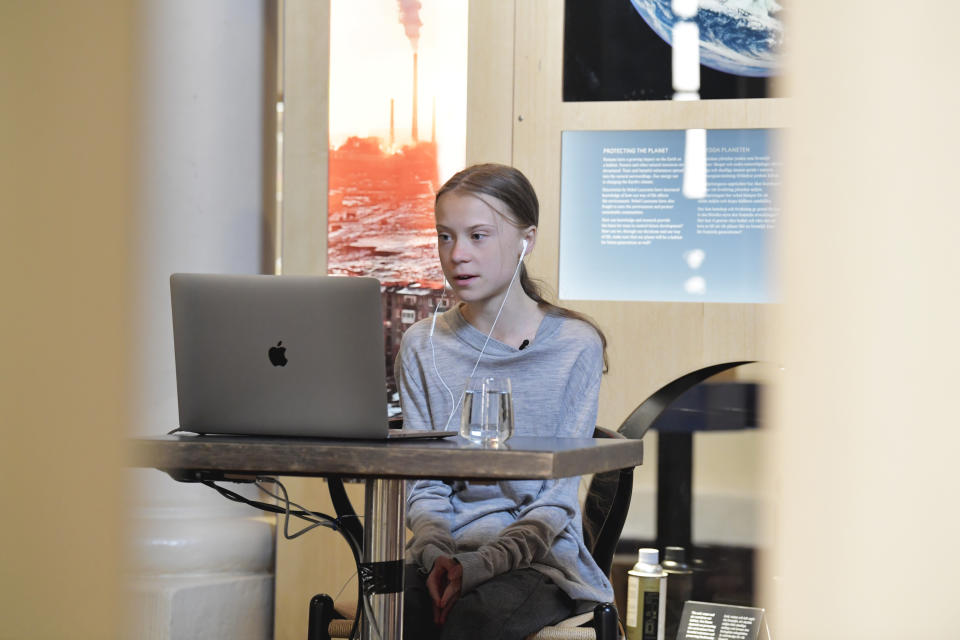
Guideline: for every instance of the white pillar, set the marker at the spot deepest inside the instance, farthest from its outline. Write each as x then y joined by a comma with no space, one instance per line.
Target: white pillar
202,566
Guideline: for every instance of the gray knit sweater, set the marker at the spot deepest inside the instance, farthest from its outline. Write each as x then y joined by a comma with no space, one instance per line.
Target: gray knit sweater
492,528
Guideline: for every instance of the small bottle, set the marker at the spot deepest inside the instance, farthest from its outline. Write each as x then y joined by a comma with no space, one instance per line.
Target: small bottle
679,586
646,597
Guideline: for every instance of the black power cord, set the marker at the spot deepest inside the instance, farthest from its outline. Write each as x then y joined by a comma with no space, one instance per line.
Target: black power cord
346,524
351,529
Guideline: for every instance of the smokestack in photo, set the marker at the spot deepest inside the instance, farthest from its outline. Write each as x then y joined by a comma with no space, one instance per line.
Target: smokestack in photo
392,137
410,19
413,129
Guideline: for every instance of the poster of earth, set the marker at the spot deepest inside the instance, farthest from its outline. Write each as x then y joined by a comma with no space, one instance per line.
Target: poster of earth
621,49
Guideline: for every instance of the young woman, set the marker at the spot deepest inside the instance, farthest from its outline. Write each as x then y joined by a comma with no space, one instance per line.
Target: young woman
497,560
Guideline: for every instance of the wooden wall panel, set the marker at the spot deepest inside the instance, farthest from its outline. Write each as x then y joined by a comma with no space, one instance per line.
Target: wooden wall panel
490,82
651,343
306,68
709,114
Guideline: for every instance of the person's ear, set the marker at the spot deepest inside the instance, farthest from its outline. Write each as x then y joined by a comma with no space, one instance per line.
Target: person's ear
528,241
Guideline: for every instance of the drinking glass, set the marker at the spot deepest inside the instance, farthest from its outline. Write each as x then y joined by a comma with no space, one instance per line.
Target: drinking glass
487,417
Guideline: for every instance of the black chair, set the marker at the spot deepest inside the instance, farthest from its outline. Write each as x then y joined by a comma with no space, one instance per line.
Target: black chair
604,510
669,411
604,513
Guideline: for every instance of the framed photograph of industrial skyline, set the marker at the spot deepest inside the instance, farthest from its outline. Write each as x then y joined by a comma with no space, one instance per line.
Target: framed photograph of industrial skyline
397,132
621,49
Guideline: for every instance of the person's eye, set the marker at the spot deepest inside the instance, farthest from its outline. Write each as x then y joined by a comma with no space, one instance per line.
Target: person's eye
443,237
477,235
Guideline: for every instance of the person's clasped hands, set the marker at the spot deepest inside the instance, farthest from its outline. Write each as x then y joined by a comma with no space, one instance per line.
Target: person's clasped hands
443,583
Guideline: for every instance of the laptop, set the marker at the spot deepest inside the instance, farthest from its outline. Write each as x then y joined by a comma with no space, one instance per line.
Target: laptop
281,356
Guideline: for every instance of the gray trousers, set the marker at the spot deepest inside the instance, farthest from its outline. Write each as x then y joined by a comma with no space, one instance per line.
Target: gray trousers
510,606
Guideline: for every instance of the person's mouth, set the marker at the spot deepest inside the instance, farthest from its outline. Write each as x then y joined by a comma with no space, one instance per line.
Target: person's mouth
464,279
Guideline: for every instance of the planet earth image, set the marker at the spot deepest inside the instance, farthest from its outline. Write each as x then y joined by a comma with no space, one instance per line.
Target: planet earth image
741,37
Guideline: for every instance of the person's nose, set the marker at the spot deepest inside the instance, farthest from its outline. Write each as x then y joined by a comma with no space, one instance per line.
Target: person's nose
459,253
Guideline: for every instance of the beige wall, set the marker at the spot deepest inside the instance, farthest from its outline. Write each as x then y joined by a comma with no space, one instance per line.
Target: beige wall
65,183
863,470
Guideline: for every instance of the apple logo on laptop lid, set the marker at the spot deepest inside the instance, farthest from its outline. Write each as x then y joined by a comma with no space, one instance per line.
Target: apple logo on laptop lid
278,355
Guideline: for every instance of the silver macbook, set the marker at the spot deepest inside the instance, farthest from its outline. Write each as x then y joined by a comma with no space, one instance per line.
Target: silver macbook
281,356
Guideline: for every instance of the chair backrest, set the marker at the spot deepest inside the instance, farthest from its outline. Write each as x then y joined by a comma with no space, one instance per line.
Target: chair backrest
605,509
643,417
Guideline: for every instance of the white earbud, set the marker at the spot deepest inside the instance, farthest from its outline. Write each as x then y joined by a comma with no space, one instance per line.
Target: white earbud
436,312
523,250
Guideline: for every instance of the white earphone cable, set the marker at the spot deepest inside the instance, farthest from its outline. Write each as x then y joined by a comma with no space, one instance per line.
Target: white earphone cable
433,352
484,348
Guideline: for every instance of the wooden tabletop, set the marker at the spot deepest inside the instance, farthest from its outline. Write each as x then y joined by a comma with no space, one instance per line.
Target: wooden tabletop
451,458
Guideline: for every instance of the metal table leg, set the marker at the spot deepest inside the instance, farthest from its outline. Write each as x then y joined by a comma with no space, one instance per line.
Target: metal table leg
382,568
675,490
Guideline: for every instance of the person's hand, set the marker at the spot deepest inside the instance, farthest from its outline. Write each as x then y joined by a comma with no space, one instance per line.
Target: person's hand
443,583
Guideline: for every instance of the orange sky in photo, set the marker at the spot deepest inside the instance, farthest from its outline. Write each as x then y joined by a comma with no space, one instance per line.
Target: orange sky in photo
372,62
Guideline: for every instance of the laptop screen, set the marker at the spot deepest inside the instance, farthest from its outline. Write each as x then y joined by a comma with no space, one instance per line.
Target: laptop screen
279,355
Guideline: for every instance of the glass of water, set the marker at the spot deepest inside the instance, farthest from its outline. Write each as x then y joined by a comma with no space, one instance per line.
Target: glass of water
487,417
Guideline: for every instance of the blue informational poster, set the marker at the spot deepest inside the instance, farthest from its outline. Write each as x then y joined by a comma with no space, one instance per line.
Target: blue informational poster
627,232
